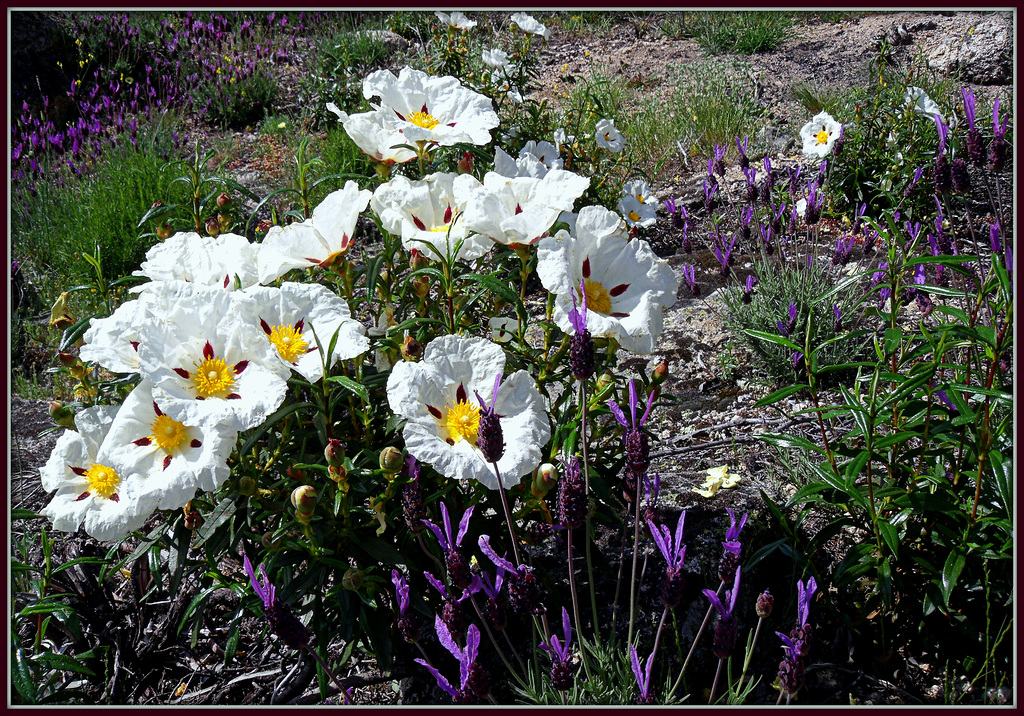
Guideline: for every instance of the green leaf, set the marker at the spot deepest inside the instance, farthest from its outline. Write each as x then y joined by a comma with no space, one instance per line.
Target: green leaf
221,513
773,338
19,513
494,284
271,421
196,602
352,386
22,677
951,572
790,441
64,662
779,395
891,535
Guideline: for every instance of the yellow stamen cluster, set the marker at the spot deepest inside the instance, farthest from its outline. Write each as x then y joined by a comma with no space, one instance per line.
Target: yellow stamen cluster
423,119
822,136
213,378
463,421
598,298
634,216
168,433
289,342
103,480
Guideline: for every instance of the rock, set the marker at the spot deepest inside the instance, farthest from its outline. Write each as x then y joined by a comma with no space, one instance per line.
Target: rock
984,56
779,141
388,38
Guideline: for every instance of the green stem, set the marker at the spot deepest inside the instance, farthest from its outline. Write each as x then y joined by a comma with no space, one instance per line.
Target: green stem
636,552
327,670
693,646
586,478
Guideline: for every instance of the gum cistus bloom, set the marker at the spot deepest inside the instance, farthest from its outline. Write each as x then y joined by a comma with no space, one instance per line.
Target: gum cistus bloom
636,443
732,547
628,287
608,137
280,616
725,628
581,343
529,25
525,592
293,318
673,581
429,215
455,21
572,496
643,677
454,559
442,427
321,240
820,135
224,262
406,626
563,671
473,681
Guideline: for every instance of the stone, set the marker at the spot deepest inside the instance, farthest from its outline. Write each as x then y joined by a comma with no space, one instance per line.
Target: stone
983,56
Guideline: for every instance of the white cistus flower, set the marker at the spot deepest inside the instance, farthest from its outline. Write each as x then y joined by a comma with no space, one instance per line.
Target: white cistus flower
456,20
320,240
167,459
376,134
427,214
819,135
520,210
431,109
495,58
437,397
207,362
89,486
227,261
296,315
637,213
529,25
926,106
628,287
608,137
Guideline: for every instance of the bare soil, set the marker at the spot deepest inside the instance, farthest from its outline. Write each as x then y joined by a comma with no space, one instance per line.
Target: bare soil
708,420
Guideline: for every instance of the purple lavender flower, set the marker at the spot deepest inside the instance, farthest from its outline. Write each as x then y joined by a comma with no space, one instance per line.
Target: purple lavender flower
941,395
572,496
794,179
718,161
844,248
525,592
581,344
813,211
723,259
473,681
797,360
490,439
279,615
495,608
744,162
674,551
732,548
406,626
975,142
776,217
751,174
748,291
413,509
455,561
709,196
691,281
677,211
452,612
653,490
837,148
562,669
725,629
913,182
643,676
838,325
997,151
768,185
993,239
635,439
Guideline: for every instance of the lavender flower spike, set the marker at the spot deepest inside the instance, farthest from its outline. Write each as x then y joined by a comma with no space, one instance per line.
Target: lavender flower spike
578,317
725,608
691,279
621,417
803,604
671,546
401,590
643,677
561,651
445,538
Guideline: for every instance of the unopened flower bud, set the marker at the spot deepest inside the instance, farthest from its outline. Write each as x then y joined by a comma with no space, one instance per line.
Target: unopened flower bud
295,473
466,163
338,473
193,518
421,286
391,459
213,227
224,201
62,415
604,384
660,374
417,260
164,231
270,542
411,348
223,222
246,486
546,478
353,580
765,602
334,452
304,499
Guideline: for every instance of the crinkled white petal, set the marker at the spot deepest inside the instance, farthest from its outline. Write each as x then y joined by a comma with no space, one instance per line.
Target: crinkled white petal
322,312
414,389
168,480
202,260
528,24
822,121
428,214
178,343
105,519
495,58
376,134
608,137
636,213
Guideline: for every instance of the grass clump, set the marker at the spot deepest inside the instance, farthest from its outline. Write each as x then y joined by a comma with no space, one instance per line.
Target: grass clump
741,32
712,106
